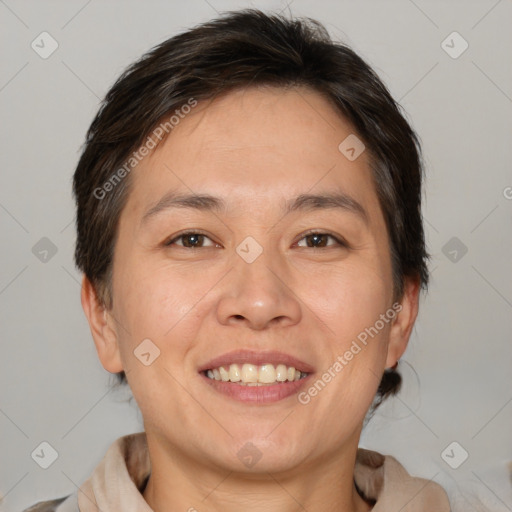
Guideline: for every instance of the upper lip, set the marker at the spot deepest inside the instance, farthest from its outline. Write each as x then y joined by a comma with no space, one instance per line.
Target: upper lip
257,357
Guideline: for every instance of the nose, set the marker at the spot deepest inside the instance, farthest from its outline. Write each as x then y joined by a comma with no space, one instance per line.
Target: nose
256,294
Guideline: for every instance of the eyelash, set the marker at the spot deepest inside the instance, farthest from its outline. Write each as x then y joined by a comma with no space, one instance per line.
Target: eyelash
340,241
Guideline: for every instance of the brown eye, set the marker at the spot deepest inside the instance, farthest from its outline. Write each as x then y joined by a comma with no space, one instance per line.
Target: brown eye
319,240
191,241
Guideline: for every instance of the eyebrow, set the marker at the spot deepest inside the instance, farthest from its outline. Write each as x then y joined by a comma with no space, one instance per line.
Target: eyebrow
302,202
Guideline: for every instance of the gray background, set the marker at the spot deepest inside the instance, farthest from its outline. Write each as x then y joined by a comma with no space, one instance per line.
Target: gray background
52,386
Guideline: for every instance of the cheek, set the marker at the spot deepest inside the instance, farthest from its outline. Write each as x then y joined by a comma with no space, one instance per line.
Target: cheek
157,306
359,350
350,303
348,299
161,304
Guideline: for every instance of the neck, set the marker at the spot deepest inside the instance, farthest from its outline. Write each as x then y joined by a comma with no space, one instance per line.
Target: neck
177,483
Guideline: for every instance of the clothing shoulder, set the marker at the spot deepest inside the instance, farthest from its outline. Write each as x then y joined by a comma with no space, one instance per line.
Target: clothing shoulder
383,479
65,504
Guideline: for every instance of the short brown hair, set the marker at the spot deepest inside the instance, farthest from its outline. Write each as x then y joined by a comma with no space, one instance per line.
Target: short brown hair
241,49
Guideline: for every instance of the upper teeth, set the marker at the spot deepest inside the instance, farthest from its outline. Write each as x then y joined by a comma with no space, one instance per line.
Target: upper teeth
253,374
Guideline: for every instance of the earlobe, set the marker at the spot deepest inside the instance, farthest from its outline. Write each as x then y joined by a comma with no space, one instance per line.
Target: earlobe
404,321
104,335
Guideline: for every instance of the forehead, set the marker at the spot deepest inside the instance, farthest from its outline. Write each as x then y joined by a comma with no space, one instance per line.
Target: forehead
255,144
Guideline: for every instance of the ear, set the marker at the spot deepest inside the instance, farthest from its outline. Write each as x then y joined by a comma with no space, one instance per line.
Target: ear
104,335
404,321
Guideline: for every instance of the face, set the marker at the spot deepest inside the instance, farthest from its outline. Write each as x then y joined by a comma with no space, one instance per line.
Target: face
286,262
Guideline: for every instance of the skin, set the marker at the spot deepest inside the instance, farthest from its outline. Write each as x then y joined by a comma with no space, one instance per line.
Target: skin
254,148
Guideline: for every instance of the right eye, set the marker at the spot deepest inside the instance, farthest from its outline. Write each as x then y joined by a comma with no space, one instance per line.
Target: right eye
191,240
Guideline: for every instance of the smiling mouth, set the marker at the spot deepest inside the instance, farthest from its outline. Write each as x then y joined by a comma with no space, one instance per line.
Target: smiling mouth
248,374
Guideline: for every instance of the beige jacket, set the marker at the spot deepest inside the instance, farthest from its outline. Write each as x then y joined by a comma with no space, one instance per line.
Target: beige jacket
116,483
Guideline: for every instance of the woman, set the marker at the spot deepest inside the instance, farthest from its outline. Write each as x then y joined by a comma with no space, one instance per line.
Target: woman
249,229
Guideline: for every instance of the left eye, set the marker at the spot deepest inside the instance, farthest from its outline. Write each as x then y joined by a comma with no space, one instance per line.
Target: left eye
319,240
191,240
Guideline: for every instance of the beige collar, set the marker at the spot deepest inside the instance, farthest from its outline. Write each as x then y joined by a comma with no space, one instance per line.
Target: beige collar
116,482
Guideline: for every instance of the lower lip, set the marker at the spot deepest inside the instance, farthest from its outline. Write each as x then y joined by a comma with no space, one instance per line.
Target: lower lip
257,394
